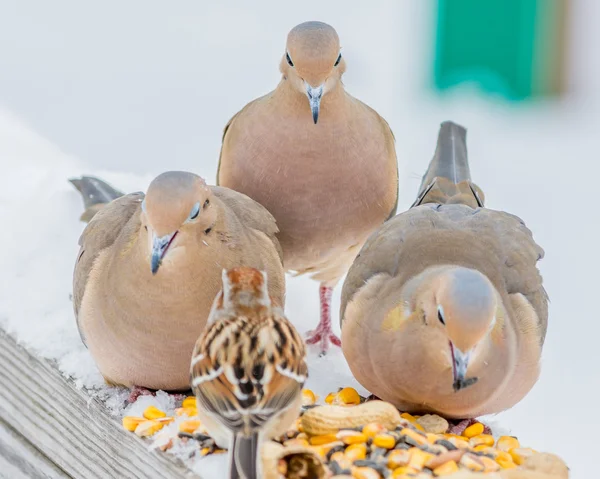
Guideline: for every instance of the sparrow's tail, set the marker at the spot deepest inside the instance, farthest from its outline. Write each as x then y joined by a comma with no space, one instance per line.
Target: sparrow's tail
243,457
448,178
96,193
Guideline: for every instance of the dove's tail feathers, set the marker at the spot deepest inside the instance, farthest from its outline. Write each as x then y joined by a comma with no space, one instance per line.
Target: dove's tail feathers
243,457
95,193
448,177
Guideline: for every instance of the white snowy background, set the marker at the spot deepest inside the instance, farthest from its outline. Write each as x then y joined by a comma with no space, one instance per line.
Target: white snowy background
126,90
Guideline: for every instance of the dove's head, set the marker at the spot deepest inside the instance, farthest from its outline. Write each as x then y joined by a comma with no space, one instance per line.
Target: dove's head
177,208
462,303
312,62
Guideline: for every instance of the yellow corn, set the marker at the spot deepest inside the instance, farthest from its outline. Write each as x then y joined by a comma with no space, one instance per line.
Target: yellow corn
152,412
296,442
189,401
204,451
131,422
384,440
308,397
446,469
459,442
324,439
506,463
348,396
341,459
408,417
351,437
472,462
186,411
330,398
365,473
418,426
148,428
189,426
482,439
431,438
502,455
418,438
398,458
489,465
473,430
403,472
506,443
520,454
354,452
418,458
372,429
484,447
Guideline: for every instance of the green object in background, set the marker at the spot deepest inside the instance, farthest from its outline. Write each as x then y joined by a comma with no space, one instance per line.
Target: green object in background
514,48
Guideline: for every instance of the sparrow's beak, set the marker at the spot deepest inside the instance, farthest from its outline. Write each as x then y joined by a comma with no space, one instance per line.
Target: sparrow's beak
460,363
314,98
160,245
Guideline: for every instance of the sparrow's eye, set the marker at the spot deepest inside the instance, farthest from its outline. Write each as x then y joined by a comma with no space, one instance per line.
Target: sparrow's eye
441,315
206,203
195,211
339,59
289,59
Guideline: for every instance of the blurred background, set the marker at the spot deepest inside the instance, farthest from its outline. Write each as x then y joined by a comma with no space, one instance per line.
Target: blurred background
143,86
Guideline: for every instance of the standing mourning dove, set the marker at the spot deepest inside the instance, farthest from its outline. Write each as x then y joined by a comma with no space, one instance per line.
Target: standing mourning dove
322,162
150,267
247,370
444,310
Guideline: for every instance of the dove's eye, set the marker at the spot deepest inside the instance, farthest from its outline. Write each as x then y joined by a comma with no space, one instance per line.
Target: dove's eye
441,315
339,59
195,211
289,59
206,203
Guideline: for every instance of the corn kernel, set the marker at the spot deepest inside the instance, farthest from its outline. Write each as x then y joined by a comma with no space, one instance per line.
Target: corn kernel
296,442
418,458
431,438
330,398
398,458
520,454
324,439
503,455
351,437
489,465
365,473
348,396
308,397
415,436
446,469
148,428
403,472
356,452
484,448
506,463
473,430
386,441
131,422
186,411
472,462
506,443
189,426
482,439
372,429
461,443
189,401
152,412
205,451
408,417
341,459
418,426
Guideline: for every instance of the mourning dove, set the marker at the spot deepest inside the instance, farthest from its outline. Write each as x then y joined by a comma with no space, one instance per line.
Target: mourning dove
444,310
150,267
322,162
247,370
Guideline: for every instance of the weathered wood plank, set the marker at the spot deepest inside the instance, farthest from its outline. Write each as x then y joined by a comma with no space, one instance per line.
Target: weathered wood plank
74,430
19,459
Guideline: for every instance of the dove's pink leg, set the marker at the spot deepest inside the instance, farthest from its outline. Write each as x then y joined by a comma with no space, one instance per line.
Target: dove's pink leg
324,334
136,392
